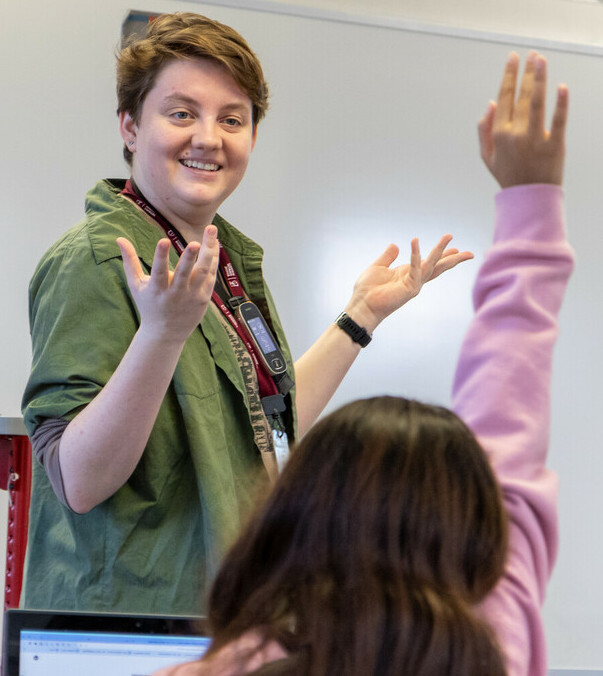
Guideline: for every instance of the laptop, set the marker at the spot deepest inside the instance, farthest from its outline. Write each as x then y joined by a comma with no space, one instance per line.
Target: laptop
49,643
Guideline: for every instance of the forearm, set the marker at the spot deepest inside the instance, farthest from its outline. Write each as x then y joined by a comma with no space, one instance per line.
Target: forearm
102,445
502,384
502,391
320,370
318,373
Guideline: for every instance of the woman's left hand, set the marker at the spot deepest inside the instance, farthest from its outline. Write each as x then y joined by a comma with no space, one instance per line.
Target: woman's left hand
381,289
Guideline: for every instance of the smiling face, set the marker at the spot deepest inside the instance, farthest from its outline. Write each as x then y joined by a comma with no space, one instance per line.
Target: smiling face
192,143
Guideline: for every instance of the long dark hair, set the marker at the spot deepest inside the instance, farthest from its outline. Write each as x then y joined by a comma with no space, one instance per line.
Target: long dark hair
382,534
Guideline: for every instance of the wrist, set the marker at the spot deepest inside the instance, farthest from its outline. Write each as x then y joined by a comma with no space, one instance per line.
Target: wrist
361,314
355,331
153,338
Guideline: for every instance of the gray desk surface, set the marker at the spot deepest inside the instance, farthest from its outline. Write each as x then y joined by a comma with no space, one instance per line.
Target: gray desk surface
12,426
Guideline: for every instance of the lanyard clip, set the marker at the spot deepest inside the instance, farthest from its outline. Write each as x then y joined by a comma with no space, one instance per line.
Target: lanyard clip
277,424
273,406
235,301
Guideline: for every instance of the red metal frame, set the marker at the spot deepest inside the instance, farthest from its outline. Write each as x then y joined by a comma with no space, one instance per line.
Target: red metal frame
15,476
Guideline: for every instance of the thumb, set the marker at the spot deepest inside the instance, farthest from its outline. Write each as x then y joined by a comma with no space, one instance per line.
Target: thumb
484,131
388,256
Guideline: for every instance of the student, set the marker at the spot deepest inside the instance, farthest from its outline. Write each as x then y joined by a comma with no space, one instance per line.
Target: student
150,410
387,546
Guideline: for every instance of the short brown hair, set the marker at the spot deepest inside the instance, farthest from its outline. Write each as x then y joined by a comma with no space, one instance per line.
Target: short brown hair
186,35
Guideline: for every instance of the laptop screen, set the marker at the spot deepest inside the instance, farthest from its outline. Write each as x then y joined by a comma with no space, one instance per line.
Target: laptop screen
56,644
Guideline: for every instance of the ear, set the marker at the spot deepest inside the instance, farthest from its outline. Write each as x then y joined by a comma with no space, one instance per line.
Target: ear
128,129
254,136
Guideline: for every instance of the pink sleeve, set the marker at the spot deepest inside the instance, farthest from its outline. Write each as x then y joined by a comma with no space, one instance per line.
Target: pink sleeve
502,391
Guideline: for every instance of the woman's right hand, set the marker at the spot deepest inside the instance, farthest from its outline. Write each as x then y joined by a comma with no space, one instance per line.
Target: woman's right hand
514,143
172,303
241,656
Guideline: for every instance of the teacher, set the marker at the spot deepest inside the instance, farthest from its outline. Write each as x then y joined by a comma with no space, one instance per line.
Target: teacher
162,394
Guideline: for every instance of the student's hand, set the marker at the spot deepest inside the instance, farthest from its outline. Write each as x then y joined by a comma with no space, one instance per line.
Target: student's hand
172,303
242,656
514,143
381,289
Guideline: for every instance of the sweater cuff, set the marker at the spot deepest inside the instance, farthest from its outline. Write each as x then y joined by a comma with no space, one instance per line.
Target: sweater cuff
532,212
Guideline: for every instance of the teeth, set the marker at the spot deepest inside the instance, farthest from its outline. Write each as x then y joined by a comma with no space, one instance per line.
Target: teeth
200,165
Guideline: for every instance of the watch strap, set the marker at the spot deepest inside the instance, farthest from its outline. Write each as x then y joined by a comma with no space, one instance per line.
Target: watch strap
356,332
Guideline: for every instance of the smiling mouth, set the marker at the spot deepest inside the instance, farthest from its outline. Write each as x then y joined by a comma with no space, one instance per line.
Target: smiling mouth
206,166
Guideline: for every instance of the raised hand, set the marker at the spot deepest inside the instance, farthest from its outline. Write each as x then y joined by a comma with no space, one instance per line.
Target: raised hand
172,303
514,142
381,289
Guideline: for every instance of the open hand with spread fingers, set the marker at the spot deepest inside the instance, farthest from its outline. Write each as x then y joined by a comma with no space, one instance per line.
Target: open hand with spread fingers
172,303
382,289
514,142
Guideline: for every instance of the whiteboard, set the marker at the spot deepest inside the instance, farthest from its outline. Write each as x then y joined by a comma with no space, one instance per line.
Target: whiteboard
371,138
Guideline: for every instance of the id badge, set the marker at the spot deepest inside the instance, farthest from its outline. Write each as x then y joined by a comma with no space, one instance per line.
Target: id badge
281,448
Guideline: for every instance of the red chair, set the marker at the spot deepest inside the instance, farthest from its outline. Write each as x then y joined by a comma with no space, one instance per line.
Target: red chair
15,477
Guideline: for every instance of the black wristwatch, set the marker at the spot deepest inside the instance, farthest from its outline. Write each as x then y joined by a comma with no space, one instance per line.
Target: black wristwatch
357,333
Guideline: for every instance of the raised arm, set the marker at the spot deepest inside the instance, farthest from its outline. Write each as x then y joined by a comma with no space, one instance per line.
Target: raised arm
380,290
502,384
102,445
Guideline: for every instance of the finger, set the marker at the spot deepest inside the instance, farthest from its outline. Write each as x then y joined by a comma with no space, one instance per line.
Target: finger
484,132
506,94
160,268
522,107
182,272
210,246
560,115
434,256
206,267
414,271
132,266
450,262
237,652
537,104
388,256
269,652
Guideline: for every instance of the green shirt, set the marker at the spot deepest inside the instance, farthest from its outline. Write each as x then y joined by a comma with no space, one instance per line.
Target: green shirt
155,545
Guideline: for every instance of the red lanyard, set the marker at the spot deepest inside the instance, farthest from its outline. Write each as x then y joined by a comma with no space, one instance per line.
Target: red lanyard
266,383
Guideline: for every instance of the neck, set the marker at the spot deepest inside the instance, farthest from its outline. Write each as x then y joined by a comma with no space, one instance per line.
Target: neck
190,231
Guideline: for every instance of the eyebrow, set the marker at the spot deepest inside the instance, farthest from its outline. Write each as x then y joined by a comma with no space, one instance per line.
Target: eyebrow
184,98
179,98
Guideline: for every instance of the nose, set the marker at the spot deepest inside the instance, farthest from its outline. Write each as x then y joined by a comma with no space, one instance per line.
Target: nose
206,134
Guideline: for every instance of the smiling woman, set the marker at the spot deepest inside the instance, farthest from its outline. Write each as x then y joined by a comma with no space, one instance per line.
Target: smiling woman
154,408
192,143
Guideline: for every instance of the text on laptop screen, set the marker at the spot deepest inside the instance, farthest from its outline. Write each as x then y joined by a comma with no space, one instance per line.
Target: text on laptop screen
57,653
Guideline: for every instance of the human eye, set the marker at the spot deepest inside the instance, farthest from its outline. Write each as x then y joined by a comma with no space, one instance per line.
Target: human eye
232,122
181,115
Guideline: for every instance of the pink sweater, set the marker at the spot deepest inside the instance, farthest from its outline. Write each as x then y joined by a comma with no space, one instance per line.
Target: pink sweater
502,391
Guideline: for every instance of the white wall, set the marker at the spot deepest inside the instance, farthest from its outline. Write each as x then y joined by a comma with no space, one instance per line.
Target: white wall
370,139
576,23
